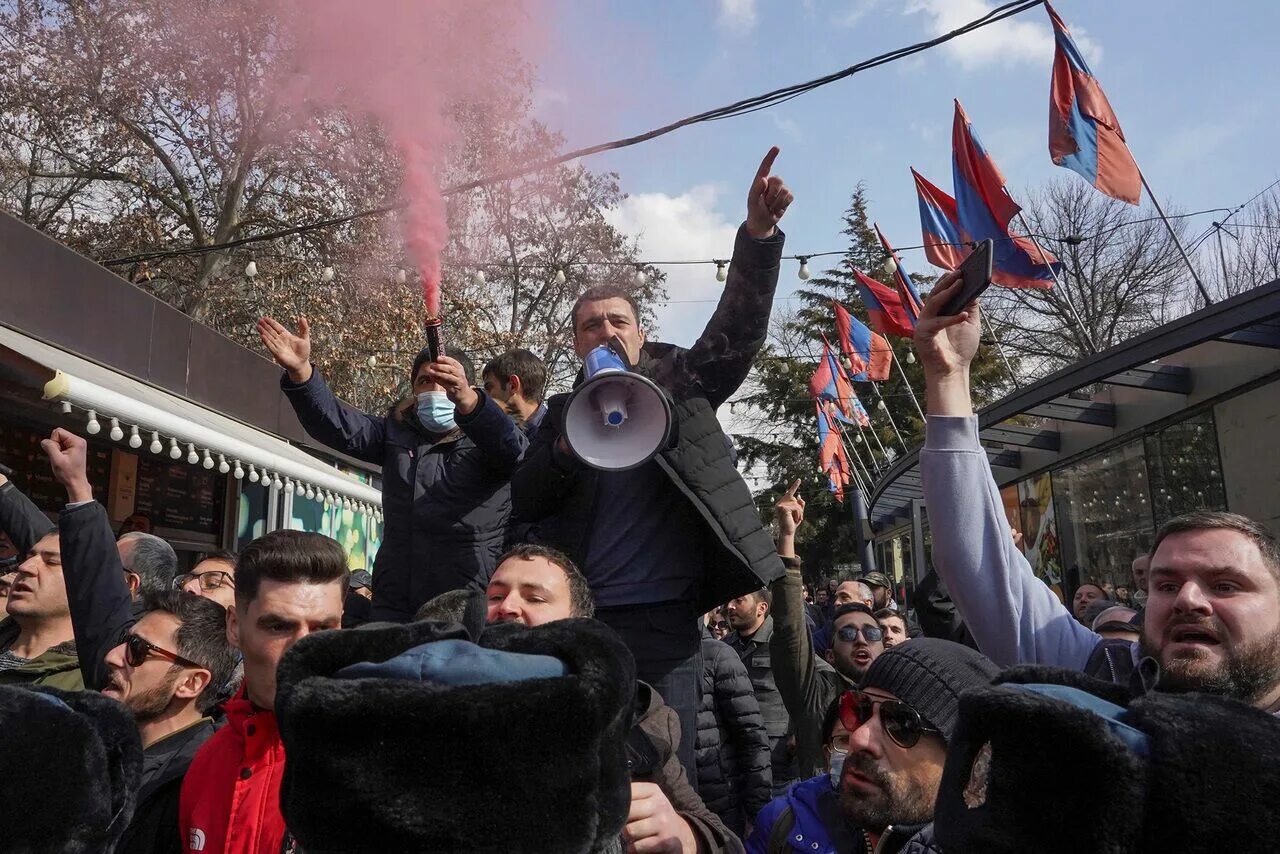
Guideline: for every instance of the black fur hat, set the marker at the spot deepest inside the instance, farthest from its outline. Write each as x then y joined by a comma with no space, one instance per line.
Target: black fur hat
70,762
380,764
1029,772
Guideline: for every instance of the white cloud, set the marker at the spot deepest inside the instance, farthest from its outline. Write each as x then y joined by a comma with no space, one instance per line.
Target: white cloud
737,16
1021,39
849,16
787,127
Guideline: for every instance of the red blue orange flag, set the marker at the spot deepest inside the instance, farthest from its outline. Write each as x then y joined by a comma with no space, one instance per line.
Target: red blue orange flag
1084,133
868,353
907,292
984,209
885,310
833,460
939,225
829,382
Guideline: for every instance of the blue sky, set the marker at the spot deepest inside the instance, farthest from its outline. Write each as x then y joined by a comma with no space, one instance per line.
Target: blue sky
1188,80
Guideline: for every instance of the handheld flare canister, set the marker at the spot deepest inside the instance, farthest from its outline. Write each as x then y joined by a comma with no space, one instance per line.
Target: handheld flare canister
435,339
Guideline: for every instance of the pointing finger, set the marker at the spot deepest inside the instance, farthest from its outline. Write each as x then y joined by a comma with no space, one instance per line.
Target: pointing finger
767,164
791,490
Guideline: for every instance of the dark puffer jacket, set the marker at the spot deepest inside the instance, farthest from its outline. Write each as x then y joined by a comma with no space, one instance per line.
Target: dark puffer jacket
446,498
558,506
734,778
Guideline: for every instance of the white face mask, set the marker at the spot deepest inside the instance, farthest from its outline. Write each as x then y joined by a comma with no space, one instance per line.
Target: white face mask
835,767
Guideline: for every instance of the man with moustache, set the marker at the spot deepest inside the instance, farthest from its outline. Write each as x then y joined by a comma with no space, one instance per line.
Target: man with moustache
1212,618
899,721
806,682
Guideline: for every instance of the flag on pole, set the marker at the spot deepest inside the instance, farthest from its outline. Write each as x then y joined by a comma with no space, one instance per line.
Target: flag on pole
884,305
984,209
939,225
829,382
868,353
907,292
833,460
1084,133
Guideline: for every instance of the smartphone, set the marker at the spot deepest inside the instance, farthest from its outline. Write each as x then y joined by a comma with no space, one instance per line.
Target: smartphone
975,278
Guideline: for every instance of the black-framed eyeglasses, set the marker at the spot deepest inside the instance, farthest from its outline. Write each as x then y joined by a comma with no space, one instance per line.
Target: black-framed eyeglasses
849,634
901,723
210,579
137,648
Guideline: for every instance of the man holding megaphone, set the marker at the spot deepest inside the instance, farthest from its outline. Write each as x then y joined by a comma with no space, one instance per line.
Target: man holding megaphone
632,475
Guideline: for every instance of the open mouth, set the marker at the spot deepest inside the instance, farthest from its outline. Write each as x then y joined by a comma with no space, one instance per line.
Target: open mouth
862,656
1193,634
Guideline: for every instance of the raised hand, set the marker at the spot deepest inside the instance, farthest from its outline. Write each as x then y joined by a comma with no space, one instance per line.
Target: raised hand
767,200
946,346
789,511
68,457
291,352
448,372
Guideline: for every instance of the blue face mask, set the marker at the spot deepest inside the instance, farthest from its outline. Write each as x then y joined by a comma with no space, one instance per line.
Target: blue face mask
435,411
835,767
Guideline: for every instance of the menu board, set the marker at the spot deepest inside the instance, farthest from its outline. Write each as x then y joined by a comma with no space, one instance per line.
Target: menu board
20,450
179,495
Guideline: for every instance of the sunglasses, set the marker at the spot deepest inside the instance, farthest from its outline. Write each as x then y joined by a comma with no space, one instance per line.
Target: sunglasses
137,648
722,625
873,634
210,580
901,723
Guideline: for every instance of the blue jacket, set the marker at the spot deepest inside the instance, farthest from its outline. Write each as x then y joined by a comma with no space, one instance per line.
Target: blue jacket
808,833
446,499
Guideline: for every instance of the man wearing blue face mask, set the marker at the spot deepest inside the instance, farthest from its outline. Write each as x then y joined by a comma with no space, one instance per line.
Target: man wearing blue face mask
447,453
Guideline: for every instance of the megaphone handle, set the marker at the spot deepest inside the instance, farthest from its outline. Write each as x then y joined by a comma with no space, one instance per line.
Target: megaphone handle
620,350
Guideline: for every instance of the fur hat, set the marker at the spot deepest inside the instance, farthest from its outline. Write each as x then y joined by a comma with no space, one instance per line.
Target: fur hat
392,764
78,757
1083,766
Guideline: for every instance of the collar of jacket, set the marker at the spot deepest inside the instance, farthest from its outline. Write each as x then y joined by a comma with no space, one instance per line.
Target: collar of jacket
763,634
173,754
55,659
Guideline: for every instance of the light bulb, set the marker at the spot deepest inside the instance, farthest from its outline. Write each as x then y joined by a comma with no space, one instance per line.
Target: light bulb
277,482
135,441
638,277
722,272
803,273
328,500
477,278
858,438
238,474
401,276
784,368
299,489
156,447
560,277
66,408
223,465
116,433
880,405
311,493
373,361
192,456
326,275
251,269
93,426
175,452
253,474
288,484
889,266
207,462
911,357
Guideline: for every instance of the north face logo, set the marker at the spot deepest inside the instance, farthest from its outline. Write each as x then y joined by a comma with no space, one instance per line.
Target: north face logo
195,839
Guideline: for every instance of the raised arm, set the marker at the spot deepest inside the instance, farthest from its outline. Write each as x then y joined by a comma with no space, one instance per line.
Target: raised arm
21,519
1012,615
791,649
723,354
480,418
97,594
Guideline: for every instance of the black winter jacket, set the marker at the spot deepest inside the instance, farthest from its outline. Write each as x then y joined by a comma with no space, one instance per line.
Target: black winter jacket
446,499
734,778
101,607
558,503
154,828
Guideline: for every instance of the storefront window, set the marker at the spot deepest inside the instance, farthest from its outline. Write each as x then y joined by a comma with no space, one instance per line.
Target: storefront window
1104,515
359,534
251,515
1185,472
1039,527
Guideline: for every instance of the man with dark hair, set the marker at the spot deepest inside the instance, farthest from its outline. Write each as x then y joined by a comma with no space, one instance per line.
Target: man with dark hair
516,380
900,718
448,607
534,585
894,626
288,585
214,577
806,682
1212,620
751,617
664,542
167,670
881,590
446,453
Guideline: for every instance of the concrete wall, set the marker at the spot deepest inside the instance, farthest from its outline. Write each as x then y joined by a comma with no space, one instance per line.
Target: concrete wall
1247,429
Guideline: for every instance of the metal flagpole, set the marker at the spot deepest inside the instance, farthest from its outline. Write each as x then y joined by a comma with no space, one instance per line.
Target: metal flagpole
852,449
875,436
999,348
1174,237
1222,257
892,423
1066,297
907,383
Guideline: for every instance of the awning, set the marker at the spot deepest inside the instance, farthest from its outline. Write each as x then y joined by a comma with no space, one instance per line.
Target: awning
184,430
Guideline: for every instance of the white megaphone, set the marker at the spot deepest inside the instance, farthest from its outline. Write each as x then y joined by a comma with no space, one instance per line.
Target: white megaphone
615,420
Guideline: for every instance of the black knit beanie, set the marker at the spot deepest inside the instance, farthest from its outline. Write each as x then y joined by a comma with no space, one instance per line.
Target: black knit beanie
929,675
462,356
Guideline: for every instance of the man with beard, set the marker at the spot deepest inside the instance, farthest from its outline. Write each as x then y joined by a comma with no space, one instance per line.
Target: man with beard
880,798
752,623
167,670
807,683
1212,620
516,381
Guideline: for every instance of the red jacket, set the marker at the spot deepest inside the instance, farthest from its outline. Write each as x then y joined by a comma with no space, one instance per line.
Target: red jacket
230,801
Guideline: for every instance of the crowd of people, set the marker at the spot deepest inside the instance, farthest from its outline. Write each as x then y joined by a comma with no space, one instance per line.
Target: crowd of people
551,657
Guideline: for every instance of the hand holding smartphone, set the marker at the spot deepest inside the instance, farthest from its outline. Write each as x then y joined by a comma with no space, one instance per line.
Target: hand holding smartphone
975,275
